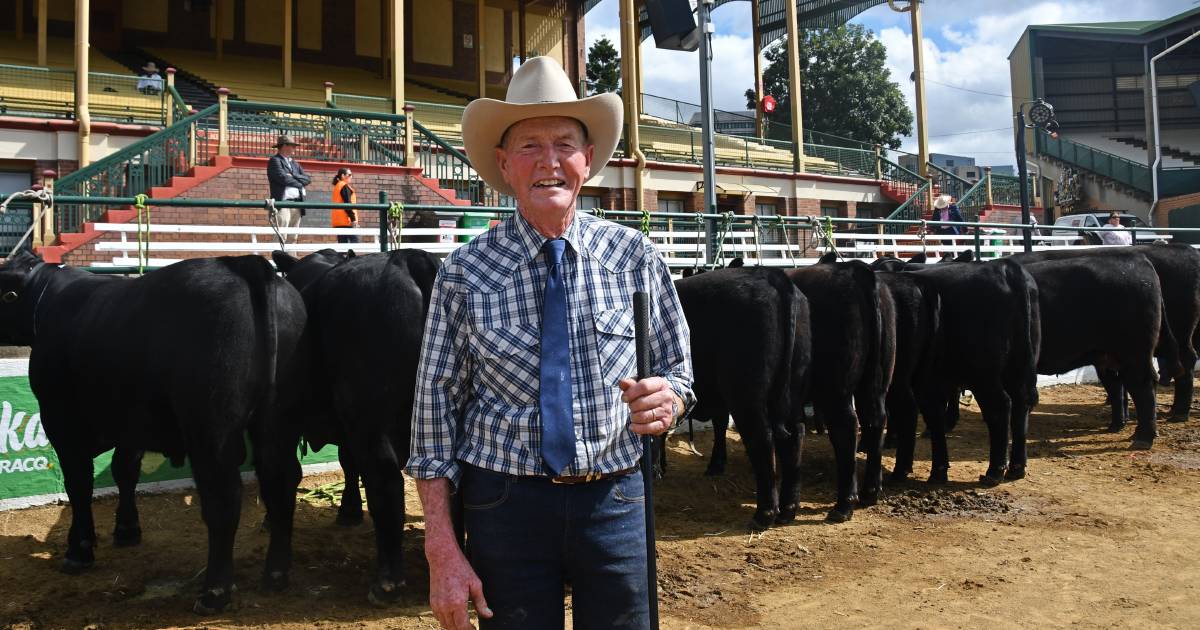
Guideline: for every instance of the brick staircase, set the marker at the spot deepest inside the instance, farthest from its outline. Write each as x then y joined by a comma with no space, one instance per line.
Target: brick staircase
245,178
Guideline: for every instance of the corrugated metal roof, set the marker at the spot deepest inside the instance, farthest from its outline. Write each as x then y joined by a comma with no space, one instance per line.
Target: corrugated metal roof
772,21
1132,28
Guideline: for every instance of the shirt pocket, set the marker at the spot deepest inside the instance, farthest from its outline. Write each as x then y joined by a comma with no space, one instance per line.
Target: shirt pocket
615,345
510,360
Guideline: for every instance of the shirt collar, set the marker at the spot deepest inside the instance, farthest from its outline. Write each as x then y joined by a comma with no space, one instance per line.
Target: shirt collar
532,241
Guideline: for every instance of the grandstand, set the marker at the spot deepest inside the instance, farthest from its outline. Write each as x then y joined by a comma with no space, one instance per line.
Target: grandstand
340,89
1095,76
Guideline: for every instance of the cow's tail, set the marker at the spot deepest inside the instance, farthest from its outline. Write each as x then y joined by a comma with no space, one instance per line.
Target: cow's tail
875,373
1170,364
1027,336
263,285
784,392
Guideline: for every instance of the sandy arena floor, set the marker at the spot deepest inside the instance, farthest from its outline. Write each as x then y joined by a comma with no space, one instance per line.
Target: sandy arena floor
1096,536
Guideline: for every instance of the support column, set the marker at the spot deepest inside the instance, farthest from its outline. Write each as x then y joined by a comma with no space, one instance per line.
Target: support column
758,82
218,7
82,117
41,32
222,121
919,70
20,20
796,98
480,58
397,56
629,79
287,43
521,30
637,60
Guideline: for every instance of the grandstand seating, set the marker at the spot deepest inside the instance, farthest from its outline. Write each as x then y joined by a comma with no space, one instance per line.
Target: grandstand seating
1180,146
60,53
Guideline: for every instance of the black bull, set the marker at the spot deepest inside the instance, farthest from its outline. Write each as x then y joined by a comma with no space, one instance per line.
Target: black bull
183,361
366,317
751,350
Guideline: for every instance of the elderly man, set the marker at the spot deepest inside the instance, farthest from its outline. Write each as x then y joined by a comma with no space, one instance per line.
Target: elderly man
524,398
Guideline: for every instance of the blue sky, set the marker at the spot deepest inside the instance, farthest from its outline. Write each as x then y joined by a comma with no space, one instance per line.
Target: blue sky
966,46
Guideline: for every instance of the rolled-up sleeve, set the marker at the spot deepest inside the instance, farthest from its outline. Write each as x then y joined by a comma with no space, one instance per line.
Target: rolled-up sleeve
670,339
442,383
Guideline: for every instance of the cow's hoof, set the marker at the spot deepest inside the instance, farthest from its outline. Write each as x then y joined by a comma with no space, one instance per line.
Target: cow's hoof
1177,418
384,593
839,515
1116,427
71,566
939,476
1014,473
274,581
349,519
127,536
896,477
213,601
1141,444
867,498
786,515
762,520
992,478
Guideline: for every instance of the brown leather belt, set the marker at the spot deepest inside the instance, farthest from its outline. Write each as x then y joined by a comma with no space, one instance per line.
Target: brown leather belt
590,477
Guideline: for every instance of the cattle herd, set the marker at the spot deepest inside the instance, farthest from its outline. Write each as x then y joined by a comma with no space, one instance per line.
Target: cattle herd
198,359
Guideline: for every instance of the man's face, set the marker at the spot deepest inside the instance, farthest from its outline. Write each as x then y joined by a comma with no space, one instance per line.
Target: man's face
286,150
1114,220
545,160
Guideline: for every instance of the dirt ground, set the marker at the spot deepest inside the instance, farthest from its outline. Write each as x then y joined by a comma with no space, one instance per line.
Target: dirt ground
1096,536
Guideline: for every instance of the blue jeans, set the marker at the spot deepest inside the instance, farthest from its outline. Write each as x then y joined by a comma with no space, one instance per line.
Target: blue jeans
529,537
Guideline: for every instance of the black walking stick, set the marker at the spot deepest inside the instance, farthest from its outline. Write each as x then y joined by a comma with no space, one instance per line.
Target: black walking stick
641,331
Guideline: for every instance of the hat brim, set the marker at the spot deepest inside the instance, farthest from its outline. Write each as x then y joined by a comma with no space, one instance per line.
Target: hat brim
285,144
485,120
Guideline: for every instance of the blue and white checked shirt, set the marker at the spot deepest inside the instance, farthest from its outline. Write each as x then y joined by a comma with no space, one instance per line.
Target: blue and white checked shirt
477,385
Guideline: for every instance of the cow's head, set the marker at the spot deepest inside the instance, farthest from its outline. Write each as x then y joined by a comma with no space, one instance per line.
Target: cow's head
18,298
302,272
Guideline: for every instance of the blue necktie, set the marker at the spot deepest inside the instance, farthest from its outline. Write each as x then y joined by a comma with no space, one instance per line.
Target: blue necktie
554,396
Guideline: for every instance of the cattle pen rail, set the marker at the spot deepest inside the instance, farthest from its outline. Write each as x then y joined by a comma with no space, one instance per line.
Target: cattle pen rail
687,240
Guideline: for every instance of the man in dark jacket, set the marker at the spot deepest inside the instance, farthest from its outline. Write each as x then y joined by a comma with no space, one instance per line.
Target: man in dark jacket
287,179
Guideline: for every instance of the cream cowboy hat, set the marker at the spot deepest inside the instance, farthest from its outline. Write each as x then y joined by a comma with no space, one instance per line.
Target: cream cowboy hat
150,67
942,202
538,88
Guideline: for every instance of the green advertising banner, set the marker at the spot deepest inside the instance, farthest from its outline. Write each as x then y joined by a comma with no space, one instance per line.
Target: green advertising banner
29,472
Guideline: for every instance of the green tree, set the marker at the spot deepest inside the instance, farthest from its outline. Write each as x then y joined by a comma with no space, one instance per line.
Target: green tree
603,68
846,85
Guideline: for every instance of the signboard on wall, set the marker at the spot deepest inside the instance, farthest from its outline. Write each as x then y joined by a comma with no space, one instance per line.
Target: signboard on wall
29,470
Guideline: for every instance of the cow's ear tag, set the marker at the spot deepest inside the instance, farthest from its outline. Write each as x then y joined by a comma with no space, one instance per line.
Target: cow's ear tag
9,297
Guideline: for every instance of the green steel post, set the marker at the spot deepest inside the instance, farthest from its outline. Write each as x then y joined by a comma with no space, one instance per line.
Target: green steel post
383,222
978,249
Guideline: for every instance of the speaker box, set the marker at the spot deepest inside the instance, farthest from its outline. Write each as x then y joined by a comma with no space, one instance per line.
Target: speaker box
673,25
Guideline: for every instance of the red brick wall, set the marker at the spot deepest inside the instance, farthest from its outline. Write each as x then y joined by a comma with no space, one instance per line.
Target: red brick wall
245,183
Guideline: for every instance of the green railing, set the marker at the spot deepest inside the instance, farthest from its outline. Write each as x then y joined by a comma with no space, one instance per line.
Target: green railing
1105,164
37,92
362,103
321,133
50,93
1178,181
440,161
684,144
1006,190
912,209
134,170
974,201
179,109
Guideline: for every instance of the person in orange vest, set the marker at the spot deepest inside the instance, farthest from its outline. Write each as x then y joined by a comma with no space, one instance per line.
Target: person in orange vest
343,192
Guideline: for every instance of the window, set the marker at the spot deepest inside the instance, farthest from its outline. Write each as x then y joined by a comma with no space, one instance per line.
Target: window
949,163
971,174
765,209
587,202
831,211
670,205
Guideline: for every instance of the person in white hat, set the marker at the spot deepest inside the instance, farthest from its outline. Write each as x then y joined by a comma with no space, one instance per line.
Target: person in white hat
149,81
524,400
944,209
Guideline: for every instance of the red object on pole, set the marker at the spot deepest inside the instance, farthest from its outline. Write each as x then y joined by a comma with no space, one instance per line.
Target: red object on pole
768,103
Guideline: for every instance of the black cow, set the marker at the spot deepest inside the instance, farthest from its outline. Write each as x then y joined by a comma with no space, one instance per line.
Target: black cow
366,317
853,333
751,352
1178,269
183,361
1104,311
989,339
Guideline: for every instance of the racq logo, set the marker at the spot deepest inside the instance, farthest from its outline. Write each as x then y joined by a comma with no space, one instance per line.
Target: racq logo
20,431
